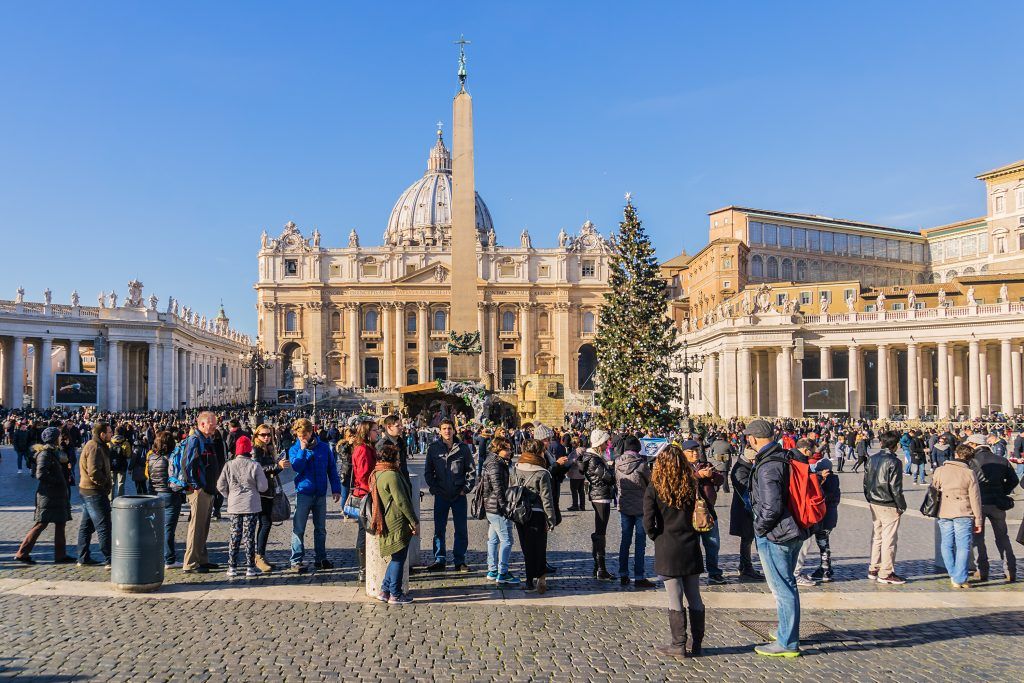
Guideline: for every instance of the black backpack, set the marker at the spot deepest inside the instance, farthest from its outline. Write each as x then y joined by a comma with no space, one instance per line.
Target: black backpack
519,501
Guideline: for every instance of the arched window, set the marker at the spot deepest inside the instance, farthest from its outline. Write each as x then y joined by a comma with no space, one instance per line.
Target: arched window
830,271
801,270
589,321
969,270
950,275
508,321
543,322
371,370
440,367
335,321
787,269
410,323
440,321
370,321
412,376
586,367
773,268
291,321
756,266
843,271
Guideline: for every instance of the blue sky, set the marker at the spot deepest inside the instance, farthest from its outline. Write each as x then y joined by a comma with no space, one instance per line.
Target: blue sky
158,140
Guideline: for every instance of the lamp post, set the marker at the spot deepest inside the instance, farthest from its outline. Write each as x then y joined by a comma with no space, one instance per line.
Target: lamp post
257,360
687,365
314,379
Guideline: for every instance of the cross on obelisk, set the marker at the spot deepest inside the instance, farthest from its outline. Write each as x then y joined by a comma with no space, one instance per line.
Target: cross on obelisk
462,43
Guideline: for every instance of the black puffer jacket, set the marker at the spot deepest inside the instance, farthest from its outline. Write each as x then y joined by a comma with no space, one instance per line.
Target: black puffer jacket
343,453
598,474
495,483
53,498
158,472
769,493
883,481
264,457
741,519
996,477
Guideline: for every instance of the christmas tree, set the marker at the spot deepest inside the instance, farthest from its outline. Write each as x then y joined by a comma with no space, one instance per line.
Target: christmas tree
635,340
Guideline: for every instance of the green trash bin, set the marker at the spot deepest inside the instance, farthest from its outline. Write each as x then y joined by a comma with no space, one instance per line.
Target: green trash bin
137,543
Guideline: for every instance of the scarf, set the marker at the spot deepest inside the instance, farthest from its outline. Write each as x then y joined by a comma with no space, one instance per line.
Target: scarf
532,459
377,522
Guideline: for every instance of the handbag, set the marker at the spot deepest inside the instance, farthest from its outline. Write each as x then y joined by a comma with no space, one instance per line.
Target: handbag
350,508
932,502
281,511
477,508
702,519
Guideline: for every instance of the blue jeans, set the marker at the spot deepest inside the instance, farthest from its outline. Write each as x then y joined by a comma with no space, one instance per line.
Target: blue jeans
117,484
906,458
304,504
172,509
499,543
392,582
919,472
712,541
957,535
95,517
779,562
457,508
23,459
632,525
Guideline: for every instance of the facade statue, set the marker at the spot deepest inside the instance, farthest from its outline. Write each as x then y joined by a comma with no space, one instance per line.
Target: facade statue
113,299
971,299
563,238
524,239
353,239
792,307
47,296
175,307
170,305
824,305
264,238
439,273
75,299
202,322
316,238
880,303
911,299
20,296
101,298
942,298
492,237
153,301
134,299
851,304
1004,293
764,299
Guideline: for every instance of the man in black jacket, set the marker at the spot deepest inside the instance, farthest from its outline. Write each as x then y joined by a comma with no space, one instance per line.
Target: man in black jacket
883,489
393,435
997,480
777,534
449,473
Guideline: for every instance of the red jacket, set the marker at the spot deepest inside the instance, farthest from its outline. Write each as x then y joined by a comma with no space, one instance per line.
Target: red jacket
364,459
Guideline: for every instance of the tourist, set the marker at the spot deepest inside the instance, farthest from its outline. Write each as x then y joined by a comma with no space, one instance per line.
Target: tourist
632,475
960,512
364,459
668,518
531,472
94,484
600,477
917,456
822,532
157,462
315,469
720,457
576,480
220,457
201,473
53,500
264,455
777,534
120,456
394,520
20,441
883,489
392,434
449,473
940,452
843,451
741,518
495,482
860,448
137,467
997,481
709,478
241,482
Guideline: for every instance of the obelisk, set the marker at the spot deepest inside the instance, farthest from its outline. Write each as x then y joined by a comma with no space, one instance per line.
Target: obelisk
464,363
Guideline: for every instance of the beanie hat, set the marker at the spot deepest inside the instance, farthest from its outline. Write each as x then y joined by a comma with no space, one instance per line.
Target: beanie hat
50,435
243,446
598,438
541,432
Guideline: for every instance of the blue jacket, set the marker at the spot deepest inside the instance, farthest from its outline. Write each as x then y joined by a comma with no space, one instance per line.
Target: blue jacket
314,467
199,463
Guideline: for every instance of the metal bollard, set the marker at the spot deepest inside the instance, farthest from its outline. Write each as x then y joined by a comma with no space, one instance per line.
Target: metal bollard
137,543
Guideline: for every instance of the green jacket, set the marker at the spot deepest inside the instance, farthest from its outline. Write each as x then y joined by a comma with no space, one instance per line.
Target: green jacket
399,517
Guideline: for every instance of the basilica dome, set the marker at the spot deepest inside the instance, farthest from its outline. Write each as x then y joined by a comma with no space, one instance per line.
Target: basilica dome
423,213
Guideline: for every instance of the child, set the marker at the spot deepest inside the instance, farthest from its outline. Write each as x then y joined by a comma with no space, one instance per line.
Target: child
240,483
830,488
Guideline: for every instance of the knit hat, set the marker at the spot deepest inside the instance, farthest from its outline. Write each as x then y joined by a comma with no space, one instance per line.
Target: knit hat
821,465
50,435
243,446
541,432
977,440
598,438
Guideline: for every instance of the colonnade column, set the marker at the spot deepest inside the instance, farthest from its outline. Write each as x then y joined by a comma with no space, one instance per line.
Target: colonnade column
45,361
913,385
1005,375
169,365
883,381
113,375
1015,379
974,378
387,318
764,385
353,344
400,344
728,393
773,382
18,373
983,367
957,360
153,383
481,325
711,384
853,381
743,389
785,373
942,350
525,366
74,363
492,343
825,356
423,341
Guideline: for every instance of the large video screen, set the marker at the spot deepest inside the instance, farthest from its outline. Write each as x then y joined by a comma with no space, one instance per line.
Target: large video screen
826,396
285,397
75,389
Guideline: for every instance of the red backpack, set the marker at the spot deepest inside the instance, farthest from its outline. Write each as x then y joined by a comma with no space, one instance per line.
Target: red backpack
806,501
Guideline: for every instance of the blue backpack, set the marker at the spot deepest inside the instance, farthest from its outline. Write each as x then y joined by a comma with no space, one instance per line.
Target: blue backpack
176,479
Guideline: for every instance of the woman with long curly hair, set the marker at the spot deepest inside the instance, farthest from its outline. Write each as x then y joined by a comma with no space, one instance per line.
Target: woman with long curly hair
668,519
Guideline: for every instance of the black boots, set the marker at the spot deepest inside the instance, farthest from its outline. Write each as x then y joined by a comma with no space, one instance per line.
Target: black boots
696,632
361,552
677,623
600,572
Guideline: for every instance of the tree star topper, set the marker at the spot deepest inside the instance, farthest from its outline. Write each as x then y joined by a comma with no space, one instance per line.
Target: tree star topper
629,197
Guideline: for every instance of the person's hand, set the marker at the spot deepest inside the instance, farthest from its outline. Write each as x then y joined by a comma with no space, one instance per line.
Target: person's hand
977,528
562,460
416,529
336,497
283,463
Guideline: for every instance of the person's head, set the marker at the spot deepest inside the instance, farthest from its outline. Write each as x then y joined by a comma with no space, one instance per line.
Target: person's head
392,425
631,443
366,433
302,428
673,478
163,444
567,441
50,436
234,423
889,440
447,429
388,454
263,436
805,446
101,432
758,434
976,441
206,423
992,439
964,452
501,447
690,449
533,453
243,446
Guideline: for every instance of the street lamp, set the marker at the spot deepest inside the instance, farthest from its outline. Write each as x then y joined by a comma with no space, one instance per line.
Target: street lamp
257,360
314,379
686,366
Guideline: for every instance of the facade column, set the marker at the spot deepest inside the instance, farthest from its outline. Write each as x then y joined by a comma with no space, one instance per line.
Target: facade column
492,344
764,385
711,384
825,355
786,381
983,376
773,374
45,361
74,363
913,382
943,369
744,391
855,397
353,345
1015,377
481,325
883,381
1005,373
386,318
113,375
18,373
728,393
190,380
400,379
959,376
169,385
974,378
525,330
153,380
423,341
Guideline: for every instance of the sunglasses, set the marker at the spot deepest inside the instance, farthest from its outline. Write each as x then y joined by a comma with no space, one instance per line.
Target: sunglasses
263,435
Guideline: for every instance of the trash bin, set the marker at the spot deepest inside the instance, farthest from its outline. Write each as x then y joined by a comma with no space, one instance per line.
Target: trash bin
137,543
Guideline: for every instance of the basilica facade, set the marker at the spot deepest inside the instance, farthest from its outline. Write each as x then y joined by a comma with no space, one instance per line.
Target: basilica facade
378,317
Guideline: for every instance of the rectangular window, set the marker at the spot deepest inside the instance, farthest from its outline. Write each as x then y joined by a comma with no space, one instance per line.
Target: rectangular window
849,294
880,245
813,240
726,285
371,269
799,238
854,248
970,245
827,243
999,203
291,267
335,270
892,250
867,247
918,305
589,268
905,249
754,230
780,299
918,253
952,249
770,234
899,306
785,236
870,308
982,242
937,252
507,271
824,295
544,271
841,241
411,346
805,298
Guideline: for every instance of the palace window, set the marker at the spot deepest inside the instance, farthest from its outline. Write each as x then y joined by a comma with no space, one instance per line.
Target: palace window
507,270
726,284
335,321
813,240
983,243
787,269
849,294
785,236
589,268
841,244
898,306
824,295
770,234
757,265
829,273
881,248
999,203
918,253
370,320
799,238
440,323
970,245
589,321
727,262
854,245
543,322
827,242
371,270
867,247
508,321
335,270
953,249
773,268
291,267
780,299
754,229
544,271
410,324
893,250
801,271
905,252
291,322
805,298
1020,240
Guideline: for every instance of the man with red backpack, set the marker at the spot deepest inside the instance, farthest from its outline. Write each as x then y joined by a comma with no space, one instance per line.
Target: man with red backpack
777,533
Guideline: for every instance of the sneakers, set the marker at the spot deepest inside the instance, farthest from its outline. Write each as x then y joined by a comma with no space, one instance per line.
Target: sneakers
804,580
232,572
88,562
399,600
300,568
492,575
717,580
892,579
323,564
542,585
507,579
462,568
645,583
773,649
383,596
252,572
960,585
873,574
530,586
751,575
819,574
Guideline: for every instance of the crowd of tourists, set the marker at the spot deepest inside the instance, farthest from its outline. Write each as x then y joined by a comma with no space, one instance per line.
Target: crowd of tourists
781,476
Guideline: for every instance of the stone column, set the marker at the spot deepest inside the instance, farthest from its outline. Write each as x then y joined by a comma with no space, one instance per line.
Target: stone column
728,395
722,390
46,373
773,382
153,383
18,372
1015,377
942,350
785,371
565,355
983,375
825,356
711,383
400,344
764,385
492,343
113,375
959,393
883,381
168,376
74,356
191,379
481,324
744,390
387,380
525,342
913,382
1005,374
974,377
353,345
853,380
423,343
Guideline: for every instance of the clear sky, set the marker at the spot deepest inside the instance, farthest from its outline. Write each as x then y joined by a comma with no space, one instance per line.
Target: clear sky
158,140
